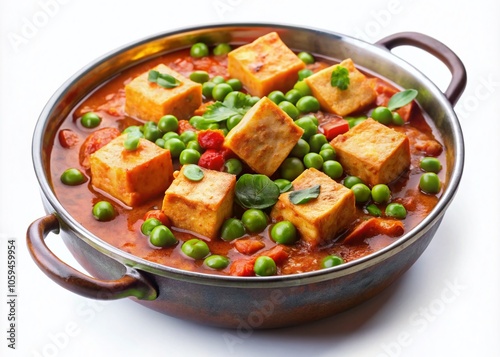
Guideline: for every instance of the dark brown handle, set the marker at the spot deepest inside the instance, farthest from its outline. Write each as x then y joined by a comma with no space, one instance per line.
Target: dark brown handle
438,50
131,284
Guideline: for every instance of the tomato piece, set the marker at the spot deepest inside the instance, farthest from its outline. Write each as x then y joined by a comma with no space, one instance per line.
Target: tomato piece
242,267
212,159
68,138
279,253
94,142
211,139
373,227
185,126
248,246
159,215
334,127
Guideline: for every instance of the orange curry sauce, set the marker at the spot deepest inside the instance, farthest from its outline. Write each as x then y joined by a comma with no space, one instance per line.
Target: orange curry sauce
124,231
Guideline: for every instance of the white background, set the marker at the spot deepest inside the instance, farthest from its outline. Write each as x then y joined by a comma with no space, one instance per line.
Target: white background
447,304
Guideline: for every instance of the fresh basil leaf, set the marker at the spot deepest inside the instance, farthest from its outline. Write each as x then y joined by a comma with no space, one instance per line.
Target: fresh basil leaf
340,78
256,191
193,172
303,196
400,99
153,75
164,80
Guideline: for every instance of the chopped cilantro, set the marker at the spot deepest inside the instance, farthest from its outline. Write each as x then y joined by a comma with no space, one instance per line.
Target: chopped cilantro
234,103
340,78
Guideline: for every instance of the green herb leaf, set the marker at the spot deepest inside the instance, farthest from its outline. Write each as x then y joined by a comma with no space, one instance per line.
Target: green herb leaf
340,78
305,195
400,99
256,191
193,172
163,79
234,103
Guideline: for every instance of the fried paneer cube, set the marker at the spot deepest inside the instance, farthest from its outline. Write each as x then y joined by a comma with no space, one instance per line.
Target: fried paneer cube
265,65
149,101
132,177
373,152
320,219
264,137
200,206
359,93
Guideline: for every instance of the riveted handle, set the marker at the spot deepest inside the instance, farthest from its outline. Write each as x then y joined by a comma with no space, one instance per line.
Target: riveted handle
130,284
438,50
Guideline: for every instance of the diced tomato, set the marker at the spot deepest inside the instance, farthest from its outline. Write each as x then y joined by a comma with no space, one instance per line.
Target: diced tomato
279,254
248,246
373,227
185,126
242,267
94,142
334,127
68,138
212,159
384,95
211,139
159,215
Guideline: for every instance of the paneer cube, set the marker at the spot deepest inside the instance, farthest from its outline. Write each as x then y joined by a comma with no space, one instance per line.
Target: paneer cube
200,206
132,177
373,152
265,65
149,101
358,94
320,219
264,137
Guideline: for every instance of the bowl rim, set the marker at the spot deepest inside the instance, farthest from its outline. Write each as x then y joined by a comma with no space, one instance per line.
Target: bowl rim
141,264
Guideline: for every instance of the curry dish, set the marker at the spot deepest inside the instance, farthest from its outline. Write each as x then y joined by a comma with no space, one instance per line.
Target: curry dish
248,160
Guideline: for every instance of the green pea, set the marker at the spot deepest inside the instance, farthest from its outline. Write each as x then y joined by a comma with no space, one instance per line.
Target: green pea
217,262
90,120
284,232
313,118
73,177
291,168
221,90
429,183
188,136
170,135
218,80
199,76
264,266
307,104
189,156
207,89
254,220
308,125
327,154
289,108
284,185
151,132
195,145
233,166
199,50
222,49
303,88
232,228
350,181
331,261
333,169
131,142
160,142
293,96
397,119
430,164
195,248
373,210
304,73
233,121
168,123
103,211
276,96
314,160
306,57
235,84
328,146
175,146
396,210
253,100
381,193
382,114
162,236
133,129
361,192
317,141
353,121
300,149
148,225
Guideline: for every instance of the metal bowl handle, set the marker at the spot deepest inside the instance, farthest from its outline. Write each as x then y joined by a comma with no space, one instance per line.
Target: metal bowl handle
130,284
438,50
